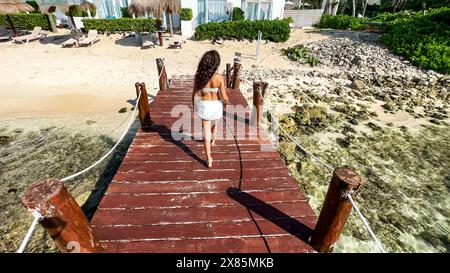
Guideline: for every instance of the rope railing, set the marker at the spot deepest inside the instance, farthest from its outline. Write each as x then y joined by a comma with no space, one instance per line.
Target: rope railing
163,68
38,217
329,167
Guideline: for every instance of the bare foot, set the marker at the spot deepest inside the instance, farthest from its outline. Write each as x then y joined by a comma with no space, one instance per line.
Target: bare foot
209,163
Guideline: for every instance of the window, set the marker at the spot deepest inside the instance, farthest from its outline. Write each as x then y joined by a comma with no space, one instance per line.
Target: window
258,9
217,10
201,11
212,11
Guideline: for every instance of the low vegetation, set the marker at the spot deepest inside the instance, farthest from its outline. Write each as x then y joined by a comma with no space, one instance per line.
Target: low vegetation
272,30
25,21
300,53
122,24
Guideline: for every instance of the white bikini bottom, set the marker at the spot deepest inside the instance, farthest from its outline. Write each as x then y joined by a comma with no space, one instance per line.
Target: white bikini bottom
209,109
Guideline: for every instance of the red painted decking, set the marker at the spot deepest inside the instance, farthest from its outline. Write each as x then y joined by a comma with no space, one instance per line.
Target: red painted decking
164,199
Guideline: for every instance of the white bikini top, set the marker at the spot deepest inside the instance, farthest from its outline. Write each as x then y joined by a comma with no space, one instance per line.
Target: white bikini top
210,90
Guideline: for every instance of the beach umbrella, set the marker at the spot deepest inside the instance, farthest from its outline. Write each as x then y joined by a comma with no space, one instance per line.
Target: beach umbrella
141,7
8,7
156,7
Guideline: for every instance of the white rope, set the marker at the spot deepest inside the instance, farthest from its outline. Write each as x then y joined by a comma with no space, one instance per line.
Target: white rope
366,223
293,139
162,69
130,122
37,217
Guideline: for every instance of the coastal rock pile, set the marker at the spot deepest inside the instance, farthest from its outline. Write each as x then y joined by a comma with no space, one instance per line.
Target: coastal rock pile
358,68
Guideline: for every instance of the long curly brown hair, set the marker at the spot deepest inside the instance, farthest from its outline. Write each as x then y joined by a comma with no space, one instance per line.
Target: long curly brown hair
206,69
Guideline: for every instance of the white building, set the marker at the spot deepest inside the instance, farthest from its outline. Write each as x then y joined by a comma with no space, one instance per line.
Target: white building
205,11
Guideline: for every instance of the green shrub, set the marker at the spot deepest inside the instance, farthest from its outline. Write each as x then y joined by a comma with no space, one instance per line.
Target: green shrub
121,24
238,14
272,30
340,22
300,53
124,11
296,53
77,11
423,39
25,21
186,14
34,5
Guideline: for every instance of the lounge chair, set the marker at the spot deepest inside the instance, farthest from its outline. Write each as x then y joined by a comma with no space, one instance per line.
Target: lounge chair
4,34
91,38
176,44
75,35
147,42
70,42
36,34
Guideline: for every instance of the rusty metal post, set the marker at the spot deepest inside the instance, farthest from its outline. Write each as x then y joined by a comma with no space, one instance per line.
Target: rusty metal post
142,104
236,76
335,210
63,218
162,74
259,90
228,76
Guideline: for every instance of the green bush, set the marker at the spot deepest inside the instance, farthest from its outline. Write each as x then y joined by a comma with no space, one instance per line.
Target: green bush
121,24
124,11
423,39
77,11
186,14
238,14
340,22
272,30
300,53
25,21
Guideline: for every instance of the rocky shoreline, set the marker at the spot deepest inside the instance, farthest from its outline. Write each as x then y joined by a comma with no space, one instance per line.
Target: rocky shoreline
368,109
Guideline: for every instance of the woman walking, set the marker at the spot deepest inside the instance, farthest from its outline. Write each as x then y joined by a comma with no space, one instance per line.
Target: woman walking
210,86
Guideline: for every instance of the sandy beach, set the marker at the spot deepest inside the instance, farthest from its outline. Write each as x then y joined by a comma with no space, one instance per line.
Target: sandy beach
42,77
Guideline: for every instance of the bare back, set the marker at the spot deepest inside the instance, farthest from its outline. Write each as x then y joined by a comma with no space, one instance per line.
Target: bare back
217,81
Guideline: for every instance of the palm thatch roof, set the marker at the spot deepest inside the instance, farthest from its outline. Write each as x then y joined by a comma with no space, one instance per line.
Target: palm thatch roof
156,7
50,8
87,5
171,5
64,7
14,6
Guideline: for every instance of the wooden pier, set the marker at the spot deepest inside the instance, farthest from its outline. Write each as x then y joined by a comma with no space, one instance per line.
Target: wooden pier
164,199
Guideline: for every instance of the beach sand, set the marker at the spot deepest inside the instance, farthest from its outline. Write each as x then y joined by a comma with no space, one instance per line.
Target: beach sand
41,77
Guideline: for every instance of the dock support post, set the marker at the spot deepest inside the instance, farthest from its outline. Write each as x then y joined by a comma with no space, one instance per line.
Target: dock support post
228,76
144,109
62,216
259,90
162,74
335,210
236,76
160,38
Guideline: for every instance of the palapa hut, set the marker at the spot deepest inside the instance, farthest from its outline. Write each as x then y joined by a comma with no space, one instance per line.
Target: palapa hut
12,7
65,6
155,7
